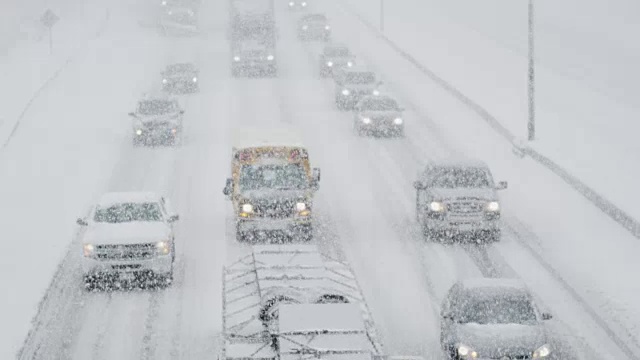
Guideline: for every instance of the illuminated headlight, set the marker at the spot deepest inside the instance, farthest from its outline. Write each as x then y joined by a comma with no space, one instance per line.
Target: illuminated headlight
493,206
301,206
174,131
164,81
195,79
366,120
304,4
163,247
270,57
349,64
305,27
247,208
346,92
329,63
464,350
88,250
291,3
170,12
139,132
542,352
436,206
376,92
236,58
327,27
398,121
164,3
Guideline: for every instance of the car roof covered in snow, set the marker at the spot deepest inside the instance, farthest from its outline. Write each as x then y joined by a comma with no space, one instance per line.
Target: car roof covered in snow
114,198
265,137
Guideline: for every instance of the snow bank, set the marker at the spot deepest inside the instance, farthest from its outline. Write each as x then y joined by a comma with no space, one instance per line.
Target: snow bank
587,77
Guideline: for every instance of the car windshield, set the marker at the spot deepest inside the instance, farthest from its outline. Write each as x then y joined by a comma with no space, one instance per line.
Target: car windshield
180,68
380,104
315,18
128,212
456,177
496,310
156,107
361,78
336,51
281,177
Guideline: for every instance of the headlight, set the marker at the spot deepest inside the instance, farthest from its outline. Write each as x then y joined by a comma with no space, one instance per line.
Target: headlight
366,120
329,63
305,27
376,92
327,27
464,350
345,92
139,132
87,250
164,3
247,208
291,3
170,12
304,4
542,352
174,131
301,206
164,81
349,63
163,247
270,57
493,206
195,79
436,206
397,121
236,58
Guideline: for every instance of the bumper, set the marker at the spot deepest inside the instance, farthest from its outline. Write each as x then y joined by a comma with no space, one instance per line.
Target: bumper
254,67
155,136
178,86
383,129
270,227
314,35
462,226
127,269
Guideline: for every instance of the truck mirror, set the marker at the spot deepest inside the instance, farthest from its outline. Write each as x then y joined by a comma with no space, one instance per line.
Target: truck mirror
501,185
315,181
228,188
418,185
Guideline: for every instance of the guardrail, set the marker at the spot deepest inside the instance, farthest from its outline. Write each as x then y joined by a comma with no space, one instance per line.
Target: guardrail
520,149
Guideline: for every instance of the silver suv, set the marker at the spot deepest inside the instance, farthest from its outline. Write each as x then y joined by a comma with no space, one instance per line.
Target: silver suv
458,198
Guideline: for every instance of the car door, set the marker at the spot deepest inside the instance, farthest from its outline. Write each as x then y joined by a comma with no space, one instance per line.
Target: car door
167,212
447,316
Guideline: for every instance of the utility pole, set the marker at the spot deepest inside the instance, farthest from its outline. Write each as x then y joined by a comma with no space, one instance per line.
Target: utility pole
381,15
531,126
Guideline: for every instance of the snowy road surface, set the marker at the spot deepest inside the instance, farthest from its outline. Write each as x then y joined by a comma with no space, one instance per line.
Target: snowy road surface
365,206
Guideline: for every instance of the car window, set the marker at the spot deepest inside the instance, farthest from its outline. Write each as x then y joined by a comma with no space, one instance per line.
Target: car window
499,309
361,78
156,107
459,177
336,51
282,177
128,212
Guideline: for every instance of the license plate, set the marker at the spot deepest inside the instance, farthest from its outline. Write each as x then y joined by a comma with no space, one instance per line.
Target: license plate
127,276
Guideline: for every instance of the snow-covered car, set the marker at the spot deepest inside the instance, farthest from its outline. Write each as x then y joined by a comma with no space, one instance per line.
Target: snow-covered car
253,57
180,78
128,237
493,319
335,56
314,27
157,120
290,302
298,5
179,20
458,197
378,114
272,186
354,83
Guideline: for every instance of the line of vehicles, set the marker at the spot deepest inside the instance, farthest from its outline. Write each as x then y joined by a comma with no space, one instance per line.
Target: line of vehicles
288,300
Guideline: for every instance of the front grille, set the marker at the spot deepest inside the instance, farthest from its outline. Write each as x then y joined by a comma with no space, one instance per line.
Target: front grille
275,210
125,252
159,124
466,207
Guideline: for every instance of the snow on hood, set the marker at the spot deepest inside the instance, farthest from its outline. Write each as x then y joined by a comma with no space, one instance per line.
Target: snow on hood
495,340
274,195
488,194
127,233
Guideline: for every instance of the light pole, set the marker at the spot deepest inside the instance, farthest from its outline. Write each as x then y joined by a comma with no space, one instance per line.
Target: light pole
531,125
381,15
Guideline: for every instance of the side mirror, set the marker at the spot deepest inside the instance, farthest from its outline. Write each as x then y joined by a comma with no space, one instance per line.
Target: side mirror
547,316
418,185
132,114
82,222
315,181
501,185
228,188
174,218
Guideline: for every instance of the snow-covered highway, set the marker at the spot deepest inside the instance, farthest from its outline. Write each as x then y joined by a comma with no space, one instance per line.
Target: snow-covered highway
76,144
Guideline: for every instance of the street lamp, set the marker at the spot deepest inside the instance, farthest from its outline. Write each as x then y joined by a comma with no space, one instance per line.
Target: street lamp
531,125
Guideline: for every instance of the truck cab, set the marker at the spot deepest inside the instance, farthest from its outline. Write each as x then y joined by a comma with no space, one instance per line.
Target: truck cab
271,187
